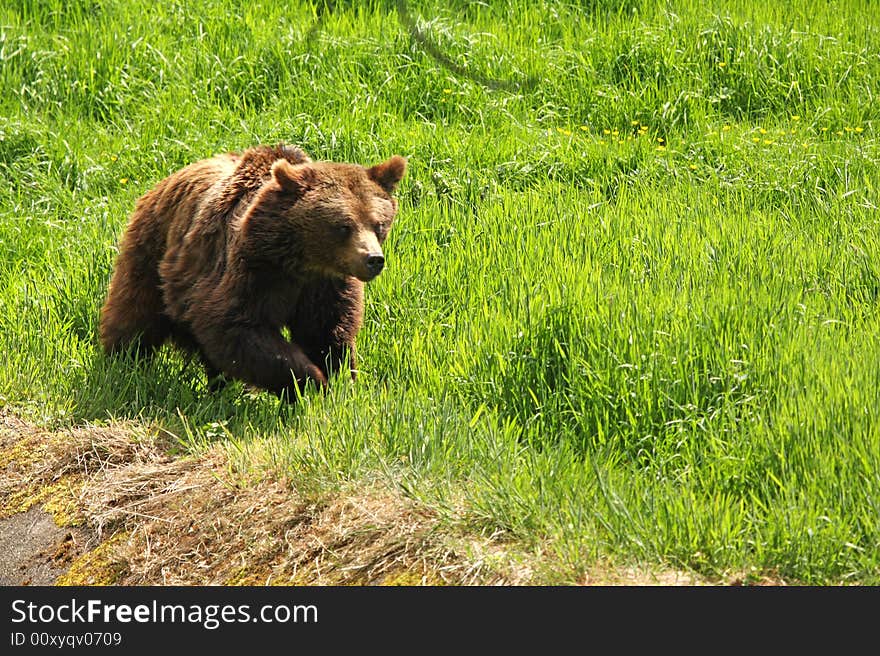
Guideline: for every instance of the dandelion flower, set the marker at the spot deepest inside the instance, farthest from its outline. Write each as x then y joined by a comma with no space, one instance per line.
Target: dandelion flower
795,118
858,129
726,128
755,139
123,180
762,131
585,128
660,140
722,64
113,158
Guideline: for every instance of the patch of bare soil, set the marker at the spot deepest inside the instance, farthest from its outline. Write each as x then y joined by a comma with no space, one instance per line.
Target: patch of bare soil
108,505
36,551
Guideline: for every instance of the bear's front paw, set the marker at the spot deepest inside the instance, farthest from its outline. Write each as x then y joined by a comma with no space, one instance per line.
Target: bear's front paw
314,377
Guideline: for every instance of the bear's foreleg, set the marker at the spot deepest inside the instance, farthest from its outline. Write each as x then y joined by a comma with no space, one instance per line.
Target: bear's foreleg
325,322
259,356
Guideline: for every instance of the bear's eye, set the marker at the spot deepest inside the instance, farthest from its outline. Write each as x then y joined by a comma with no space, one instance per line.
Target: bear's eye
381,230
343,230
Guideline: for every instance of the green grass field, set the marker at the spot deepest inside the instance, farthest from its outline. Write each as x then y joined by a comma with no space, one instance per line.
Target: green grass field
631,312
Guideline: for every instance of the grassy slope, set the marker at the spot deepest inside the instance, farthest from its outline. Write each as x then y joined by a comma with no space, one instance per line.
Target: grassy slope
631,307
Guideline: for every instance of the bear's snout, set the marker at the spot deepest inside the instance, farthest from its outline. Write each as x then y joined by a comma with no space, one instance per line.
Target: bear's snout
375,264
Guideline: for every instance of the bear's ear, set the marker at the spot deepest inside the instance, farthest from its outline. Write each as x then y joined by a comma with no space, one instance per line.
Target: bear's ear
388,173
296,179
295,154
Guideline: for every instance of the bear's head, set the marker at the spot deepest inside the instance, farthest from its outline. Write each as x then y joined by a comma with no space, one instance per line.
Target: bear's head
336,215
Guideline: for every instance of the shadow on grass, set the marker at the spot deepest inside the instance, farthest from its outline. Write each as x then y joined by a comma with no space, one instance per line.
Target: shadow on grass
425,42
172,392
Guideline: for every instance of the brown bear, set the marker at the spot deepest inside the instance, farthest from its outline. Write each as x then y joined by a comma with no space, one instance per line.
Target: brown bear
225,254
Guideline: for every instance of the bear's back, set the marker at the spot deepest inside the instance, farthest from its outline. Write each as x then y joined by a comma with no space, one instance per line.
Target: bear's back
205,199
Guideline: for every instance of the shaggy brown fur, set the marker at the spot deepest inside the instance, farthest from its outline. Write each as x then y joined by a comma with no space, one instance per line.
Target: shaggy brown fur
224,254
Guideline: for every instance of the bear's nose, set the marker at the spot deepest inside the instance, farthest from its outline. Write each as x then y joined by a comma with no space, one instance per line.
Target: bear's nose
375,263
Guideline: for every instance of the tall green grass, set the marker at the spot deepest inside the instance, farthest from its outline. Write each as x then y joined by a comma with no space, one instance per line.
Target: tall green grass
630,311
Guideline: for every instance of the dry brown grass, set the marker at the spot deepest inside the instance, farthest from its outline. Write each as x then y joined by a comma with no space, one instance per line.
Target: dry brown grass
162,520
